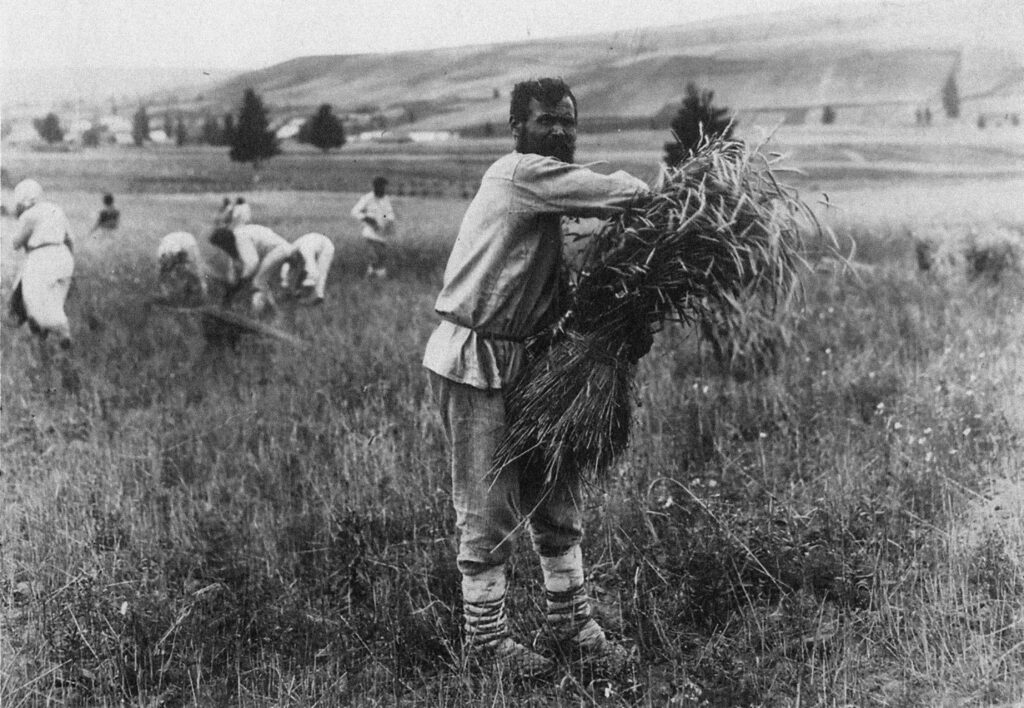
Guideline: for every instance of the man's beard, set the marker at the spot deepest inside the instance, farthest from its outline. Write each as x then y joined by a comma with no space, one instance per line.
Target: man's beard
560,147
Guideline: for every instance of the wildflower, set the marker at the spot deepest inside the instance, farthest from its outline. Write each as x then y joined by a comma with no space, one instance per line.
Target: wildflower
762,435
828,351
124,608
927,431
928,457
880,406
897,425
922,441
967,431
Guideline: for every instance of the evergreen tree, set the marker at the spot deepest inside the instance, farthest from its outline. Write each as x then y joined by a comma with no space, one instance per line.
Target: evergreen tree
227,136
951,97
252,140
697,117
324,130
180,132
49,128
211,131
140,126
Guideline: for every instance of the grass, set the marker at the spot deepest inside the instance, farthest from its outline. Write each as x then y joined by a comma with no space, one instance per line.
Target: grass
274,527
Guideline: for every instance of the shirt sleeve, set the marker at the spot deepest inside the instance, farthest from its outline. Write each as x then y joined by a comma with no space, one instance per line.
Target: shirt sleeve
547,185
248,259
69,236
24,231
270,263
359,210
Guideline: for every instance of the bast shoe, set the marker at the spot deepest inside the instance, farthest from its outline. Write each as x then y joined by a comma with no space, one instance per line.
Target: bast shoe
510,657
593,650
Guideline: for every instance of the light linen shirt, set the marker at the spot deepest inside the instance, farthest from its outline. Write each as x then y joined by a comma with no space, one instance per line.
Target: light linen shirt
379,209
253,242
502,276
42,224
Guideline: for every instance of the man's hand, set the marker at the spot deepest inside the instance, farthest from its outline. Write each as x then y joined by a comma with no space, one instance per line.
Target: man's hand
371,222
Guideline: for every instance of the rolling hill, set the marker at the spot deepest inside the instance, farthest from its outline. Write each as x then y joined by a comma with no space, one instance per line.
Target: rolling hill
871,61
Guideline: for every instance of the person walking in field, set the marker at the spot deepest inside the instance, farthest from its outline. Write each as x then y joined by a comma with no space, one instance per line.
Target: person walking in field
246,246
109,217
502,285
181,269
42,285
375,212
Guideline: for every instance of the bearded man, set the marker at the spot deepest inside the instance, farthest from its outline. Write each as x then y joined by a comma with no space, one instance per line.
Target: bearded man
502,285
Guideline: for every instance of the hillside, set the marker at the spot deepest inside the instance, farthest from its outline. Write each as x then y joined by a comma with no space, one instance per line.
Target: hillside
894,57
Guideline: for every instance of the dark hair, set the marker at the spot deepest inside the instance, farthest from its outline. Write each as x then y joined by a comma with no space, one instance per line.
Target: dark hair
108,199
547,91
224,239
379,182
240,200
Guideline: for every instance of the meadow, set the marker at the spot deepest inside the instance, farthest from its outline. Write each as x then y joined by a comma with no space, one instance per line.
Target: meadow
188,526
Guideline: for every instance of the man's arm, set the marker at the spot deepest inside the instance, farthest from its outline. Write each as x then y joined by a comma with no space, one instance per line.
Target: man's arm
547,185
24,232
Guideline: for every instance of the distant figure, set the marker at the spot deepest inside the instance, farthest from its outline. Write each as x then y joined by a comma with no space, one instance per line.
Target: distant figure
181,278
42,285
109,217
241,213
223,217
307,267
378,217
247,246
303,266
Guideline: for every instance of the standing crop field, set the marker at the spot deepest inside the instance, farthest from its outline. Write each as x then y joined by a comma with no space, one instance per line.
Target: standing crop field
187,526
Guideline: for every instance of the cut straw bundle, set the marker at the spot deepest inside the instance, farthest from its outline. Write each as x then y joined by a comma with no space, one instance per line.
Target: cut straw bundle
718,236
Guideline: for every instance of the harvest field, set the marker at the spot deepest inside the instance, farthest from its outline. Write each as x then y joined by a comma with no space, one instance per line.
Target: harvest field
186,526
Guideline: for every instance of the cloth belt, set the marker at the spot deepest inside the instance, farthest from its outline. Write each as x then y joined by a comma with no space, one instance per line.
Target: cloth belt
488,335
42,245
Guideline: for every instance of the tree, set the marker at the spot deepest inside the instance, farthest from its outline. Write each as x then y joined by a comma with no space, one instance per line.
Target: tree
168,125
828,115
211,134
324,130
227,136
180,132
252,141
91,137
140,126
49,128
697,117
951,97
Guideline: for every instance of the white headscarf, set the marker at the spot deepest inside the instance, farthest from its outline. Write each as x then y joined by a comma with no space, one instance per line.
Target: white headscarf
27,192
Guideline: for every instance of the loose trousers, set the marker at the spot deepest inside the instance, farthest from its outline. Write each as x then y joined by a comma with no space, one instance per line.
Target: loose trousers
491,508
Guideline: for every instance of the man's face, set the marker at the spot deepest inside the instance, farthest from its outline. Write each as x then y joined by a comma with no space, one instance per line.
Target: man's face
549,130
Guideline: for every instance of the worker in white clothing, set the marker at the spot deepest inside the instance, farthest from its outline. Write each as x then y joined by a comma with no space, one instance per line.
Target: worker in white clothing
42,285
375,212
305,271
247,246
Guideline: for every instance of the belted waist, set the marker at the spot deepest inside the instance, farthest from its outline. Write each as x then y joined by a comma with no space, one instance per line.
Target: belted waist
42,245
495,336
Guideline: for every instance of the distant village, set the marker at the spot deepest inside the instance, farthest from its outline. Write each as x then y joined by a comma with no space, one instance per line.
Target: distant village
172,127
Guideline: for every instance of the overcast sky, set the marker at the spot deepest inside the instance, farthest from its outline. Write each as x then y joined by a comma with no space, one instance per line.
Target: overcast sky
251,34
